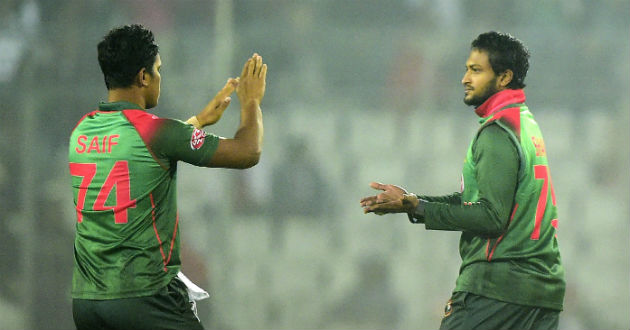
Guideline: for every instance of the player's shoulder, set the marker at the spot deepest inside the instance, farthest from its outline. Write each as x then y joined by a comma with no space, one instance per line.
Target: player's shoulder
79,122
135,115
492,130
492,134
150,126
146,124
89,115
143,120
493,127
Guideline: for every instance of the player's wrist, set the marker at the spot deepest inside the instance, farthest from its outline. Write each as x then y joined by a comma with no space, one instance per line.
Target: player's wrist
410,202
195,122
416,214
250,104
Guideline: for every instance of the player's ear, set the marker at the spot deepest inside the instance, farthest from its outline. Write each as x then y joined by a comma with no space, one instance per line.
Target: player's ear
142,78
505,78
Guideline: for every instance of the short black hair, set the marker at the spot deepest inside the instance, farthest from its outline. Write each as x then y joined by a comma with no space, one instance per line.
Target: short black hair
123,52
505,52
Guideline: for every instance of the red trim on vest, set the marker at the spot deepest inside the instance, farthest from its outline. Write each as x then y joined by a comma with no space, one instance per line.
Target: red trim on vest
500,237
511,117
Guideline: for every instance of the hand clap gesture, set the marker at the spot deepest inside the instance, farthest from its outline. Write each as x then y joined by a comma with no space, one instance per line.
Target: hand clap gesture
251,88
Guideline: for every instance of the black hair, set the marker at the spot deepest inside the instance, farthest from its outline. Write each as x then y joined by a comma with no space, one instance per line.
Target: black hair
505,52
123,52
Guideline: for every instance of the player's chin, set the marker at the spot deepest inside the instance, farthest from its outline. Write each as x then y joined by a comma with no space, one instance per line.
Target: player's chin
150,105
470,100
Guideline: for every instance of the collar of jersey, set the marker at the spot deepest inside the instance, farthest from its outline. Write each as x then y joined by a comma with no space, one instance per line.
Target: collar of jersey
117,106
500,100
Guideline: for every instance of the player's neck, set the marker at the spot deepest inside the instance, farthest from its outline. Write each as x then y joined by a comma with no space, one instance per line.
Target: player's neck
130,94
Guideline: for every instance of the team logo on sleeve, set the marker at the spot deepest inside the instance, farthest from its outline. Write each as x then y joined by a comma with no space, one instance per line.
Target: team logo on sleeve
197,139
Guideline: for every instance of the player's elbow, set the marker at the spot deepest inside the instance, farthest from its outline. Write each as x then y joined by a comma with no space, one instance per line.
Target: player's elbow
248,156
236,155
495,228
250,159
493,231
495,224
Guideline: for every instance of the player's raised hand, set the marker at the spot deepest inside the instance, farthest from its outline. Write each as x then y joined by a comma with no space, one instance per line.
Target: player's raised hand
215,108
391,200
251,88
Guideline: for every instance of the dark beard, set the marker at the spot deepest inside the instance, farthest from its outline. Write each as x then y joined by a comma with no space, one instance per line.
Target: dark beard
479,100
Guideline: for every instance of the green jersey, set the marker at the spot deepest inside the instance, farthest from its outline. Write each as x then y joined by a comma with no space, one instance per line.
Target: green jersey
123,164
506,210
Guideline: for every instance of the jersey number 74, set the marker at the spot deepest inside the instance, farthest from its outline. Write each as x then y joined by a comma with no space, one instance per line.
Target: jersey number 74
118,178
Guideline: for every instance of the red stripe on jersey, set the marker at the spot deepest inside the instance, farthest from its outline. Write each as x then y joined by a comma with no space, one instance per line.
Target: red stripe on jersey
553,194
146,125
170,252
554,223
157,235
487,248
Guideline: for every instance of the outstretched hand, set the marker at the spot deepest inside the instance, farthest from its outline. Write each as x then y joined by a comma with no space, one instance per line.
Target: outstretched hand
393,199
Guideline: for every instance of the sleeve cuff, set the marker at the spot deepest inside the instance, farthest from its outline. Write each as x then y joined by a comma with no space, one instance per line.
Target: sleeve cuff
417,216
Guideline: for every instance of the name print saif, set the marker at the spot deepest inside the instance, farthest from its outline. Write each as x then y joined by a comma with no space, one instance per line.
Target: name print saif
97,144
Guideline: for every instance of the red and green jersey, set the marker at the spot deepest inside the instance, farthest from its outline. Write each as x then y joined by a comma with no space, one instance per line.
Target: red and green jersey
123,164
506,211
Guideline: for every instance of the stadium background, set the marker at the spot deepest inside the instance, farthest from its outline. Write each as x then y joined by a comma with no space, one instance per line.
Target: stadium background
356,91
